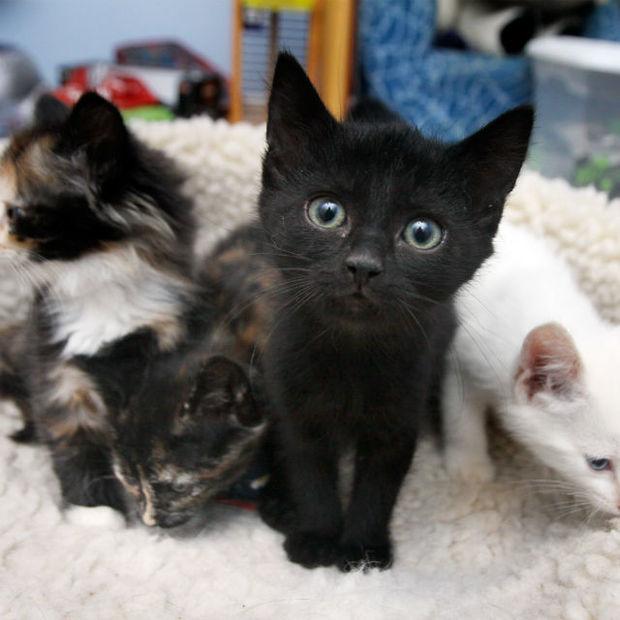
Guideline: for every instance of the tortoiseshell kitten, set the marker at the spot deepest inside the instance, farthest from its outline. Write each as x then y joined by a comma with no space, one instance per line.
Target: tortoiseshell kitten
187,436
198,423
97,222
373,228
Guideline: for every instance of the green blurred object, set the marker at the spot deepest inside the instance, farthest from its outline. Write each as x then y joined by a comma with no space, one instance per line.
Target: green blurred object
148,113
600,172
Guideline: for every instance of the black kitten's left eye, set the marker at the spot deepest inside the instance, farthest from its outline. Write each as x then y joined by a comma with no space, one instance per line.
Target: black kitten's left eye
326,213
599,464
423,234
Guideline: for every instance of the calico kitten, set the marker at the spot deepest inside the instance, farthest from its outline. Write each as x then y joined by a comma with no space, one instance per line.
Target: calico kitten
97,222
197,425
187,436
532,347
373,229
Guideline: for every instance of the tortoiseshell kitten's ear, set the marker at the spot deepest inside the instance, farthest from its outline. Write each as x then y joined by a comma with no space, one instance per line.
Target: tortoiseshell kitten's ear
221,392
50,112
96,127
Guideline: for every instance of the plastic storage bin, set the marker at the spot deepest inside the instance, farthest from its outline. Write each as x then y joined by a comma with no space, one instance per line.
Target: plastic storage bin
577,93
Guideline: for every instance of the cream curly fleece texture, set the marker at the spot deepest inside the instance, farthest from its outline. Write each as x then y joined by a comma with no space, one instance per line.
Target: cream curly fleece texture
498,551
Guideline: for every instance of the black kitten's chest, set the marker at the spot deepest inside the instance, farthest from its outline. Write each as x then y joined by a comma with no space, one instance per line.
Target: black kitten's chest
348,385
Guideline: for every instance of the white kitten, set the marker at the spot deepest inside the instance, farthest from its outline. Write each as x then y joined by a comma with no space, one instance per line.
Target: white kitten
532,348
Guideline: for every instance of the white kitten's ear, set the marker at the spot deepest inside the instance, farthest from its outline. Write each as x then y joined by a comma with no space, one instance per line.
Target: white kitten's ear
549,364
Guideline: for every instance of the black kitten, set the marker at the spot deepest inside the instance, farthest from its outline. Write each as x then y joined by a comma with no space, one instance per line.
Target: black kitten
373,228
97,222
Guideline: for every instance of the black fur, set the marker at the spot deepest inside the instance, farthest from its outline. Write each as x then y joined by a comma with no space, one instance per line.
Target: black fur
364,319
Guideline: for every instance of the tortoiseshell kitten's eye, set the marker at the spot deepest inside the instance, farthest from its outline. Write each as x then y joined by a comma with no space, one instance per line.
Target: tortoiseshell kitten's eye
13,213
15,216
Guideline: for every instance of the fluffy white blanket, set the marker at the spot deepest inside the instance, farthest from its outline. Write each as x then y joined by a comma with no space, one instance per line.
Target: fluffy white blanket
498,551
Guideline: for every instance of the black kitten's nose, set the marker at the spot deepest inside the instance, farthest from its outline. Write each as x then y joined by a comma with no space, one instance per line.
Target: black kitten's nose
363,266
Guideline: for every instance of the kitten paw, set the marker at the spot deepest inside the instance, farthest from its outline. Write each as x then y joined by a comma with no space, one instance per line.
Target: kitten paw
468,467
311,550
102,517
364,557
277,512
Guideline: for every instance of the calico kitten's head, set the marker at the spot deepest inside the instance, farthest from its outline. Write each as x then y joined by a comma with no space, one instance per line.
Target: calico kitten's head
78,183
367,217
178,446
568,402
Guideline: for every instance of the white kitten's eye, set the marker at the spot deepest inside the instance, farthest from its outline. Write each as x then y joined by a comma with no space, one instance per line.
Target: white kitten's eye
423,234
326,213
599,464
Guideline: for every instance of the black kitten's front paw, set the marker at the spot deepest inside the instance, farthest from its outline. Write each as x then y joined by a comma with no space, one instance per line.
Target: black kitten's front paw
365,557
311,550
277,512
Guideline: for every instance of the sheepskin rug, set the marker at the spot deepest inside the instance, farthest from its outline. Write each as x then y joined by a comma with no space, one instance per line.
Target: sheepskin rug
502,550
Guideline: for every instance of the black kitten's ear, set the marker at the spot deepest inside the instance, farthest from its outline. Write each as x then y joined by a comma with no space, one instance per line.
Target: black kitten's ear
491,159
222,390
296,112
97,126
49,111
369,110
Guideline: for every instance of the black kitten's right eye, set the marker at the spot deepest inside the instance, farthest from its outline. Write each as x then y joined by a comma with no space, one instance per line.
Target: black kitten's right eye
326,213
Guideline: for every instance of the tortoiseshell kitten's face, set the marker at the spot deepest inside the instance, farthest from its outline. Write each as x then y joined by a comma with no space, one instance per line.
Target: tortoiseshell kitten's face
77,183
188,437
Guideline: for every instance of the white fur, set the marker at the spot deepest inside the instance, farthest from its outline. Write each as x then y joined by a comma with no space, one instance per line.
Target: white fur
95,517
525,285
107,295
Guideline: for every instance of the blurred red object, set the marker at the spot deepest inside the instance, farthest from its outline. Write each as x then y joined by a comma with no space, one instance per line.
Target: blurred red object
116,85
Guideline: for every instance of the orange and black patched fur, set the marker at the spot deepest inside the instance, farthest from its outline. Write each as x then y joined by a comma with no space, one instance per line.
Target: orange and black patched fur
96,221
201,417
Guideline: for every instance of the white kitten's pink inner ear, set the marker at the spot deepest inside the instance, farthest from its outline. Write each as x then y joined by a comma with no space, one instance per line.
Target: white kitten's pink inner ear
549,363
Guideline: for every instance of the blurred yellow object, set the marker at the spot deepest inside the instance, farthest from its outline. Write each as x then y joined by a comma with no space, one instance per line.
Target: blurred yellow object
280,5
329,51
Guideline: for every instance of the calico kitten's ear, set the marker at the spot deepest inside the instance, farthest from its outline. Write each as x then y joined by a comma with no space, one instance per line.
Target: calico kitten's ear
50,112
549,364
490,161
222,390
97,126
296,112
